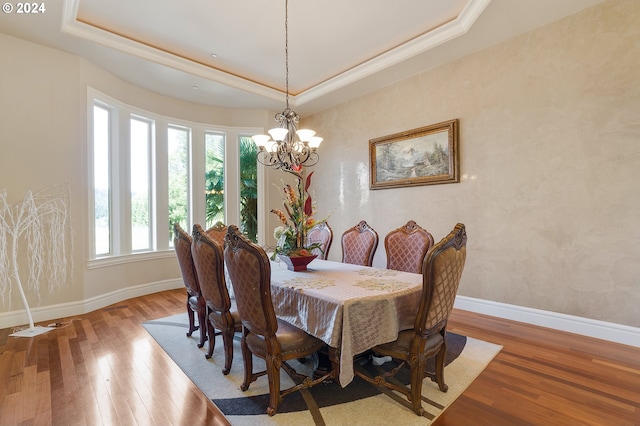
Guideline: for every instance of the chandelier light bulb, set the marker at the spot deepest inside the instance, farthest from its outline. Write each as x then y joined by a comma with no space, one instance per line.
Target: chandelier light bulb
278,133
261,140
305,135
271,146
315,142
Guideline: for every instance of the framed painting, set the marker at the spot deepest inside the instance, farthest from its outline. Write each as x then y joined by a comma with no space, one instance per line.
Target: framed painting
424,156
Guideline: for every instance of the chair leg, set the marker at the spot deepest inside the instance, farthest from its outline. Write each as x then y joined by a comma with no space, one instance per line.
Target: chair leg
192,320
227,339
273,374
417,375
247,360
202,322
211,332
440,368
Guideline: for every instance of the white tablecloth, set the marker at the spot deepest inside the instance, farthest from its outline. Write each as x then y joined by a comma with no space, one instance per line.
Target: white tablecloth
351,308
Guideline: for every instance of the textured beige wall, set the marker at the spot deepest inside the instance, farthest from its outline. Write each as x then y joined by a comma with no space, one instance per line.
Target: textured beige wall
43,141
550,153
550,158
40,134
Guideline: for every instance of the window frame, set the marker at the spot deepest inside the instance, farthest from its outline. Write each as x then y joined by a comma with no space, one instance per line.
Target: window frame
119,149
150,142
190,177
111,128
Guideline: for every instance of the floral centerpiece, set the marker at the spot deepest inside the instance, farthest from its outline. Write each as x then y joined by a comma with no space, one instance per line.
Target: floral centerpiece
297,219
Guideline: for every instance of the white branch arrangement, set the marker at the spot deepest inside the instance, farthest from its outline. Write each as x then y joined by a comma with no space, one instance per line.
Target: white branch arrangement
43,222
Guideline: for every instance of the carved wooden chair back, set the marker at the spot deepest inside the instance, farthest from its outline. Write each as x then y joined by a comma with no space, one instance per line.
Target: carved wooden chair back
442,270
359,244
195,302
217,233
322,234
263,335
406,247
208,259
250,273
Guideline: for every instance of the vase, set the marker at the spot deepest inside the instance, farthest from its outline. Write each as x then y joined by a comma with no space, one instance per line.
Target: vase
297,263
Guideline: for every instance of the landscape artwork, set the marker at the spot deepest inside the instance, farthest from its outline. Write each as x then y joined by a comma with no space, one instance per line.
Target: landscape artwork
424,156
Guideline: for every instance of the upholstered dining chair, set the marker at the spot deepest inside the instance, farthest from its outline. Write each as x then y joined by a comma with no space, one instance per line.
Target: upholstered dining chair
208,259
195,301
359,244
263,334
217,233
441,276
406,247
323,235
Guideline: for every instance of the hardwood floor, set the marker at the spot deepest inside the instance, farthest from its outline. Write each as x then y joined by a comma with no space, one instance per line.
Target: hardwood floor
103,368
544,377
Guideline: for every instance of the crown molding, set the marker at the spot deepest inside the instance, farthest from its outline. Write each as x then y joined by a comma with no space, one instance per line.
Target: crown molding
446,32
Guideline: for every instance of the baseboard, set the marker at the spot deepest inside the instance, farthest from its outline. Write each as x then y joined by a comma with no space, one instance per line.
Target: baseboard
612,332
66,310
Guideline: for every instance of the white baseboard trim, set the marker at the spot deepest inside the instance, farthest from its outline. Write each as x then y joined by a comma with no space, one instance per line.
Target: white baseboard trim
65,310
612,332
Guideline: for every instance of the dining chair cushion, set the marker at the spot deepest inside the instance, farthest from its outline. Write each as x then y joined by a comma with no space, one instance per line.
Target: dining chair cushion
293,341
216,317
403,344
193,302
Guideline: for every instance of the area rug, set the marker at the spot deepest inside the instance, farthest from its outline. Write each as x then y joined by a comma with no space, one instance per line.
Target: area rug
359,403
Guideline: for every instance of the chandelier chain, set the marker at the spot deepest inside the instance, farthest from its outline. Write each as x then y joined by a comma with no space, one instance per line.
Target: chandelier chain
286,47
290,149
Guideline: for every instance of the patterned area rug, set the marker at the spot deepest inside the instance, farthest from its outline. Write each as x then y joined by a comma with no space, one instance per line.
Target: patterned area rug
359,403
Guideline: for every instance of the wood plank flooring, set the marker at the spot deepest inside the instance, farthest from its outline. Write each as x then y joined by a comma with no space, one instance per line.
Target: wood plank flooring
103,368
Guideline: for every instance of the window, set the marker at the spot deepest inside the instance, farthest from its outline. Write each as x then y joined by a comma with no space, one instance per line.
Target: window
178,172
149,171
140,183
101,189
214,178
248,188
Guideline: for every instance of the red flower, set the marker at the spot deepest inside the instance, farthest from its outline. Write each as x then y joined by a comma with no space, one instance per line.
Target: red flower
298,206
308,206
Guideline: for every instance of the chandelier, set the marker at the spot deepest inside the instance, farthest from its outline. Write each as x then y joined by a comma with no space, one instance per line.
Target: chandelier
286,147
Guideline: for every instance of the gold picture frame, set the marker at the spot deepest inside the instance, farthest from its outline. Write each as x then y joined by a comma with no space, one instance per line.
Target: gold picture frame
424,156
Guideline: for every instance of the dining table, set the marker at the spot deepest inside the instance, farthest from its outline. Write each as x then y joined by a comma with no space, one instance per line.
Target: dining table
352,308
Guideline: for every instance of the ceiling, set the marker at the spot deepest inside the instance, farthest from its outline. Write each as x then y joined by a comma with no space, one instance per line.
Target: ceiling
232,54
